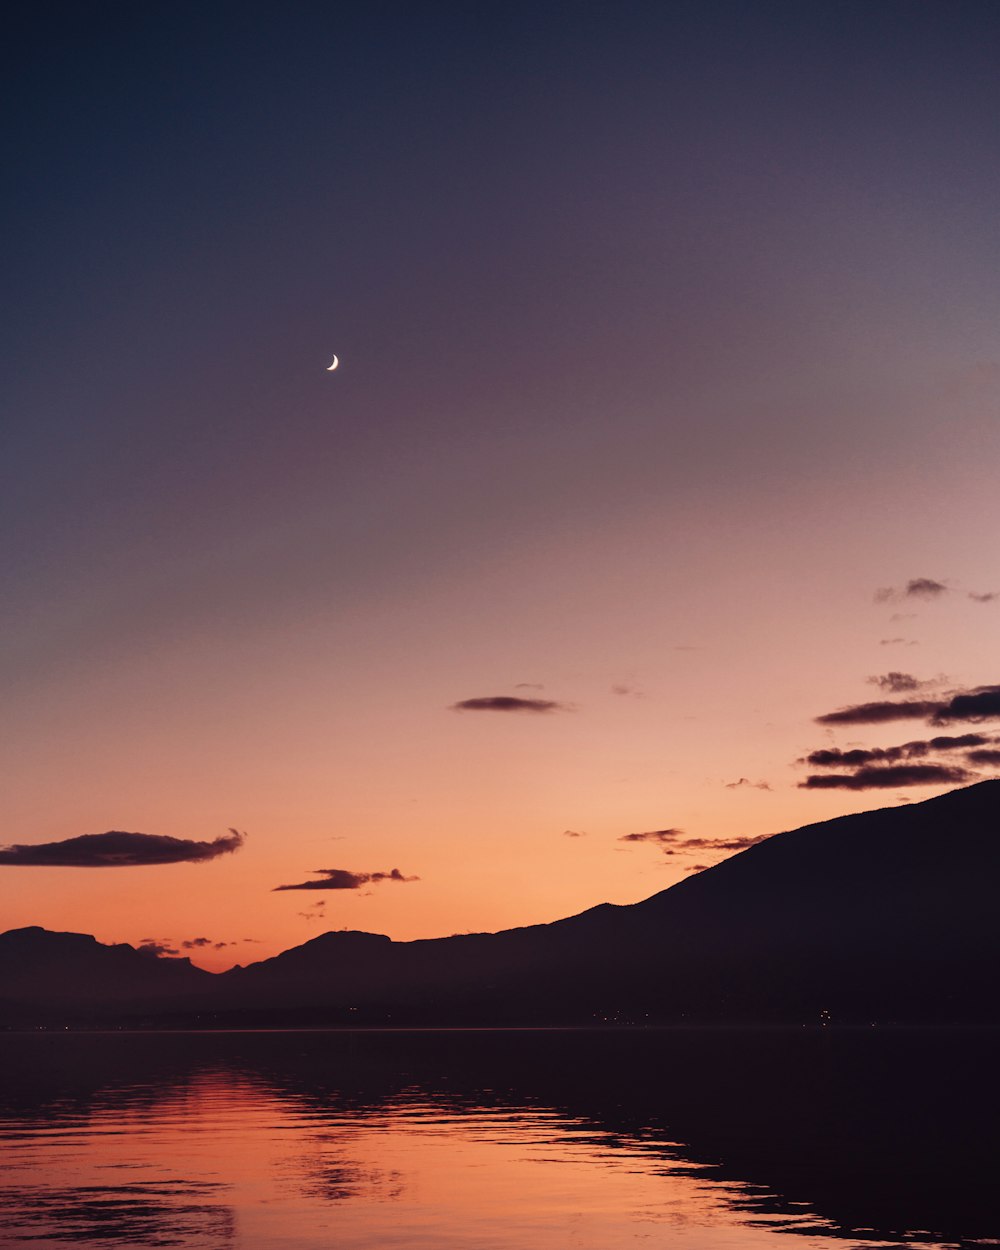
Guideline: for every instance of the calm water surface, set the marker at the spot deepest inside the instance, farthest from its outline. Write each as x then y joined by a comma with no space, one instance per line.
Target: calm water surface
490,1140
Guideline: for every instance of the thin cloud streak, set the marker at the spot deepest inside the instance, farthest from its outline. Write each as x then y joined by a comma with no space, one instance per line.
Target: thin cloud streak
344,879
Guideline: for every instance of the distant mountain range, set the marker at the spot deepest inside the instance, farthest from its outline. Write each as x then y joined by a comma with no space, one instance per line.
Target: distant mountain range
883,917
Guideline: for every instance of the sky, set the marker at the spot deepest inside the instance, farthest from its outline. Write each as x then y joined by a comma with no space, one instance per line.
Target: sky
665,425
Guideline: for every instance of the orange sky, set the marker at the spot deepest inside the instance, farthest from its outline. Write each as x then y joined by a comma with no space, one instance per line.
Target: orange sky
660,355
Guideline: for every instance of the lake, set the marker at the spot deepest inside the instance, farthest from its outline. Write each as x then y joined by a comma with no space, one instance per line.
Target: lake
688,1139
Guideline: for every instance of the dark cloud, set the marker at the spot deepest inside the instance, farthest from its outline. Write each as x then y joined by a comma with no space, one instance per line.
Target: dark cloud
831,757
745,781
954,743
529,685
915,588
987,596
896,683
986,756
697,867
659,837
343,879
676,841
983,703
574,833
721,844
155,949
507,703
191,943
878,713
877,778
924,588
120,850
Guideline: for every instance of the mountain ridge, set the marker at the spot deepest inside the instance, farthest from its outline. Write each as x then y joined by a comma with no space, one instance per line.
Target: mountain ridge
879,916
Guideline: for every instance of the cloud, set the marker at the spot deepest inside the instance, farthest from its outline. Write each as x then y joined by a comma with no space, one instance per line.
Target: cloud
876,778
120,850
894,642
986,756
625,688
832,757
155,949
191,943
677,842
507,703
896,683
982,703
915,588
987,596
529,685
925,588
574,833
721,844
745,781
343,879
660,837
880,712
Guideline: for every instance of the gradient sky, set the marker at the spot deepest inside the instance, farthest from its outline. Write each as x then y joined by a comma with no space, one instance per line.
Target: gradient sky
669,341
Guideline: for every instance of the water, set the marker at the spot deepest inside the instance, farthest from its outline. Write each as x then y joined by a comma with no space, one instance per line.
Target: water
489,1140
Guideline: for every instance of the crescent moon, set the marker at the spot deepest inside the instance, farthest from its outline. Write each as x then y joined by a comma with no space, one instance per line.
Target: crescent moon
330,368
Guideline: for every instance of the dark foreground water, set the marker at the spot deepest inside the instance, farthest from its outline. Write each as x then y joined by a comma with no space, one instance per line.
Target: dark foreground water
690,1140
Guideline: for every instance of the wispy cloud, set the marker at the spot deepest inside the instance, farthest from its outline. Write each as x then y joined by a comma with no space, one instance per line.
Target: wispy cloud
915,588
344,879
987,596
897,683
677,842
659,837
722,844
574,833
507,703
116,849
745,781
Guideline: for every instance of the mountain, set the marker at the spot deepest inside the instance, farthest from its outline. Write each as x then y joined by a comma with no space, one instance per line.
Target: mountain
46,975
880,917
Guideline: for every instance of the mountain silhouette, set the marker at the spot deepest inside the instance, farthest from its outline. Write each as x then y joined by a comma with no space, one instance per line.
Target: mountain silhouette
882,917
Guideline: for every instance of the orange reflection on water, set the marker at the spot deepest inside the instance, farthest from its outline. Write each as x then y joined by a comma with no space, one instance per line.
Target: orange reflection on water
226,1160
